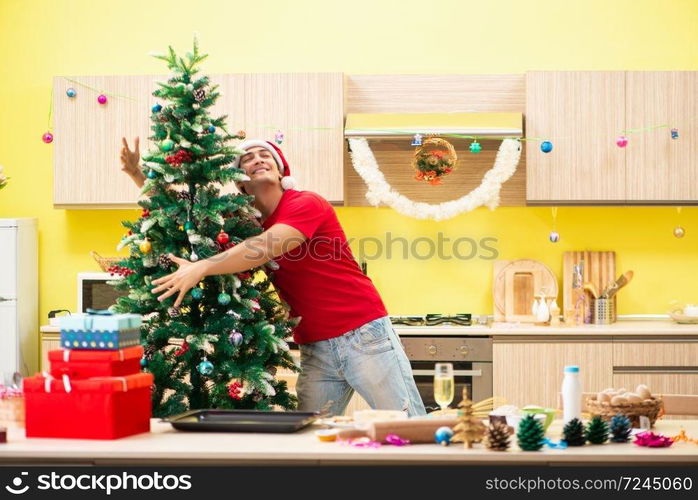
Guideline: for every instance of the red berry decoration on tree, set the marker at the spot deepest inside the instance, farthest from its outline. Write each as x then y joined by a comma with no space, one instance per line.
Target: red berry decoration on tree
120,270
145,213
183,349
244,276
181,156
234,390
222,238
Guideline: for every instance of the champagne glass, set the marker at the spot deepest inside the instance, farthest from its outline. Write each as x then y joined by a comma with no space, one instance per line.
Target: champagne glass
443,384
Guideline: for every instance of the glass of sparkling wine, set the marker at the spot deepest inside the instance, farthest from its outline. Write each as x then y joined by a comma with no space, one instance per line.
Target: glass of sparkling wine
443,384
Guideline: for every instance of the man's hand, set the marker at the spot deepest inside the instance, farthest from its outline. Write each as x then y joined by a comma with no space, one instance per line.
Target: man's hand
184,279
129,162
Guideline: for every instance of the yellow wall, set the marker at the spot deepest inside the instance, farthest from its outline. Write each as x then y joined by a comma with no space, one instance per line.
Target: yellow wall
43,38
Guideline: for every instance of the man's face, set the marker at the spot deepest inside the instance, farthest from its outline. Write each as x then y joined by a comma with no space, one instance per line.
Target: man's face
260,166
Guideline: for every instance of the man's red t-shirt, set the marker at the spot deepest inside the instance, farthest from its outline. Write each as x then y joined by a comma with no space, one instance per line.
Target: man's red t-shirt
320,279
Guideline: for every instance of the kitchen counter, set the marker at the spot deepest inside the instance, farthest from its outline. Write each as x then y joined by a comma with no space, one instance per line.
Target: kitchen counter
636,328
166,446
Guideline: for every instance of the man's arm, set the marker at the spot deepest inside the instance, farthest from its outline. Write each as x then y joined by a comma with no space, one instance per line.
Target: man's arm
251,253
254,251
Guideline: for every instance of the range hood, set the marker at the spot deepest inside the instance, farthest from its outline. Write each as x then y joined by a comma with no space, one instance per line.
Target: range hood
395,125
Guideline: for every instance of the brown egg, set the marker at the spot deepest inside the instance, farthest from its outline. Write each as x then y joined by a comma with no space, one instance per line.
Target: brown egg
619,400
643,391
603,397
633,398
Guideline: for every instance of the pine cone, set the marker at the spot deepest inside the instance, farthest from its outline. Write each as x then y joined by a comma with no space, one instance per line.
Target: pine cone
497,437
199,95
530,434
620,428
597,431
573,433
164,261
183,195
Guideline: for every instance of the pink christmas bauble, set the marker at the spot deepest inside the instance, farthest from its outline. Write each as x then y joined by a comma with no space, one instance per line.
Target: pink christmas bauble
622,141
102,99
47,137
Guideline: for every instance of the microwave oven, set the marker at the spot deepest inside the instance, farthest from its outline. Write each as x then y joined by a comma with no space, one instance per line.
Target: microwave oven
95,292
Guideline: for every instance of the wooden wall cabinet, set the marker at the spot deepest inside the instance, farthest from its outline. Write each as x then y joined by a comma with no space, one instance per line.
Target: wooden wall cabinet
660,168
583,112
306,107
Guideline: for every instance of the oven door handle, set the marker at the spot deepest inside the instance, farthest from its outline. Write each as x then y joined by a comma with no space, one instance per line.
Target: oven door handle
456,373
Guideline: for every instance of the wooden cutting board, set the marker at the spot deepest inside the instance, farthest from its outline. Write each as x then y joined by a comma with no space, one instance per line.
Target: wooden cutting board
599,269
516,282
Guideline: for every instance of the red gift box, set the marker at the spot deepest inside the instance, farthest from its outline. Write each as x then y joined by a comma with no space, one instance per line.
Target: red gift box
86,364
94,408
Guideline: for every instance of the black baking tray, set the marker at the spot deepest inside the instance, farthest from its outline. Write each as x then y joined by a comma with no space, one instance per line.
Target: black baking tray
242,420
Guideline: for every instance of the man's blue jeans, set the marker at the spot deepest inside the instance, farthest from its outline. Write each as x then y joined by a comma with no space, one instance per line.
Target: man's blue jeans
369,360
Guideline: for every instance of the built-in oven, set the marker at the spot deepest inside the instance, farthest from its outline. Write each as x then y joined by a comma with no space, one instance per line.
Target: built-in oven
471,357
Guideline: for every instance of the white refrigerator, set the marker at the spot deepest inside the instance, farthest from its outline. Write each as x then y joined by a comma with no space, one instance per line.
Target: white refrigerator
19,297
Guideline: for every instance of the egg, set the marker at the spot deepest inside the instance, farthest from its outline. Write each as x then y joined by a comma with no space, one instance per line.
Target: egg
609,390
643,391
633,398
603,397
619,400
622,391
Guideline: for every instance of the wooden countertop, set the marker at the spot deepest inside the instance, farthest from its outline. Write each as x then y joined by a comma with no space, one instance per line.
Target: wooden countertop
166,446
637,328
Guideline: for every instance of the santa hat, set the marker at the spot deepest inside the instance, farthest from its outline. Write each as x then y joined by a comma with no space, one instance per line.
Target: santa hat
287,182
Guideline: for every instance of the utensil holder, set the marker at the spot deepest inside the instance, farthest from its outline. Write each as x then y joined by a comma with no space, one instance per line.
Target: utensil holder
603,311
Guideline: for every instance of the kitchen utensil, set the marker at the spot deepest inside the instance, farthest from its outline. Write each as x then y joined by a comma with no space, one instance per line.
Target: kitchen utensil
591,288
515,284
613,288
599,269
603,311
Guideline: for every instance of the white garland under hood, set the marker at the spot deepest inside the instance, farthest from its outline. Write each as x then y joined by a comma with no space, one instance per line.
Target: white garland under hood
486,194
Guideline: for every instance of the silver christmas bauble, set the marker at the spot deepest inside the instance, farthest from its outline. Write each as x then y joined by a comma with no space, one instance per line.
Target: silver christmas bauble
554,237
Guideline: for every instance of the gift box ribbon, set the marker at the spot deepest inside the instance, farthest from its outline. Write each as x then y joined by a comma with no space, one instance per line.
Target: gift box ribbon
48,378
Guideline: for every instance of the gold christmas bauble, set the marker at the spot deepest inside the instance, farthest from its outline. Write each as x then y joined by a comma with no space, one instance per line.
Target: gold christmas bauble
145,247
679,232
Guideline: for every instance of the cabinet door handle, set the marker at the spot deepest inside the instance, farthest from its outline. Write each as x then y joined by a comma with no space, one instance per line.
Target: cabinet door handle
655,369
6,299
456,373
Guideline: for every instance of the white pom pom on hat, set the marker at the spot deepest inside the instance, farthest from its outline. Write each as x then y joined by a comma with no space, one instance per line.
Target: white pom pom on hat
287,181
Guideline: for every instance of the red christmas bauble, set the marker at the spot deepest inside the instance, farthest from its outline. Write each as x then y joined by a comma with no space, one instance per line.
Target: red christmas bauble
223,238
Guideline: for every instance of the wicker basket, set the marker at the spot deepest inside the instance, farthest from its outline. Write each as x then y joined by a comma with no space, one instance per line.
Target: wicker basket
651,408
105,262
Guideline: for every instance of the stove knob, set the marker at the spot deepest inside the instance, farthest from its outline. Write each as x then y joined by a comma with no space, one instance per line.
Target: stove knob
464,350
431,349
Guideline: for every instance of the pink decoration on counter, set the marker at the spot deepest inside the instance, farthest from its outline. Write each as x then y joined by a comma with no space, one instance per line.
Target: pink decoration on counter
364,442
396,440
653,440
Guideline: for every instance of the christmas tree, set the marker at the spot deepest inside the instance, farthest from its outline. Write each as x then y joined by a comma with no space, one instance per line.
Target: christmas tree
469,428
597,430
221,348
530,434
620,428
573,433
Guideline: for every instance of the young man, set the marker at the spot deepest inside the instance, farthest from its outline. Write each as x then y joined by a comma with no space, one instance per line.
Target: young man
346,340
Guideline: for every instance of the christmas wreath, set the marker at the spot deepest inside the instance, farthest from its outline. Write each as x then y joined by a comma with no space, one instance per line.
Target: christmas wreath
433,159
